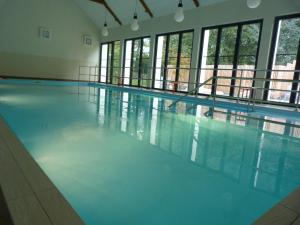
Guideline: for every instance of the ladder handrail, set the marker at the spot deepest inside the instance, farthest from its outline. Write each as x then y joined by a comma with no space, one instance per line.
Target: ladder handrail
191,92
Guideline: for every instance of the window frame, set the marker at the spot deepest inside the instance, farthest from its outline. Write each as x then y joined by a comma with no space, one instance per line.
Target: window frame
108,81
131,59
236,53
272,53
168,34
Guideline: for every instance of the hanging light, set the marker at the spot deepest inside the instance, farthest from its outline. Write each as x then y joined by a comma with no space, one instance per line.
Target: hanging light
252,4
179,15
135,23
105,29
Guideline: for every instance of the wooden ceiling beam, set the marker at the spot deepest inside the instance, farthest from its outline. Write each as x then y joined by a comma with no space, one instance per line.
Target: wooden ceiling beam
103,2
196,2
147,9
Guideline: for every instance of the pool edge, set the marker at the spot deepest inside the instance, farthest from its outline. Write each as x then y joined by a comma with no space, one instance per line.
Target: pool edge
31,197
286,212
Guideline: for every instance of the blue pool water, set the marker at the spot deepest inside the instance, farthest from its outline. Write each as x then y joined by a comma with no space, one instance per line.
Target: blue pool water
121,158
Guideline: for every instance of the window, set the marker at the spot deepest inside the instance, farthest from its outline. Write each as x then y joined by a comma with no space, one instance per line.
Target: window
230,52
284,55
110,62
136,60
173,61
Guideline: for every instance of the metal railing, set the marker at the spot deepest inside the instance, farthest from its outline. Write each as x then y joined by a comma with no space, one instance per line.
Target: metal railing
194,91
251,93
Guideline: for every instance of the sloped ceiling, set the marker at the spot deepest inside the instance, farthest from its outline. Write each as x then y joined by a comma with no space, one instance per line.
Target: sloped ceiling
124,9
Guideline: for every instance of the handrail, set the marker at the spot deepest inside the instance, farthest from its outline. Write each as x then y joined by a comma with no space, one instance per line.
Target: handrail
193,68
191,92
95,71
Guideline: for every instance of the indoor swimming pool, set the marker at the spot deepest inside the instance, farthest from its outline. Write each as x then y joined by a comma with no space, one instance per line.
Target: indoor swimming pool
122,157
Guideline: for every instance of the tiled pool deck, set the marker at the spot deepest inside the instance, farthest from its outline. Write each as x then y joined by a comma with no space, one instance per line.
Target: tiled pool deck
286,212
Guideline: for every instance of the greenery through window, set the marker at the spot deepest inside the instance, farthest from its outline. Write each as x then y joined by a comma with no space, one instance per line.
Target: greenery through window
173,61
110,62
284,60
137,59
226,51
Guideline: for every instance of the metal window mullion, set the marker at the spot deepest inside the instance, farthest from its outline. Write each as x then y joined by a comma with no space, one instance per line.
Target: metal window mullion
271,58
124,61
296,78
107,62
112,61
154,62
166,61
178,59
140,61
100,64
131,62
235,59
216,63
257,51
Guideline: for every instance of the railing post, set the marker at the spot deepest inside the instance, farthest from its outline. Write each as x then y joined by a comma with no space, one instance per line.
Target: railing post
298,99
215,79
240,85
89,74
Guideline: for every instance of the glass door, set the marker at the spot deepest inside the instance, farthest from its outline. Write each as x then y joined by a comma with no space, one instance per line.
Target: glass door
173,61
284,60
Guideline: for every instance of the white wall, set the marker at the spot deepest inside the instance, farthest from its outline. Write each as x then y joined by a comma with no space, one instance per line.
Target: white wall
23,53
223,13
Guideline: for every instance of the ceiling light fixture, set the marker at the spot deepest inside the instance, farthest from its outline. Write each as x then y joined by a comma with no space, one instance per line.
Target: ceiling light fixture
179,15
252,4
135,23
105,29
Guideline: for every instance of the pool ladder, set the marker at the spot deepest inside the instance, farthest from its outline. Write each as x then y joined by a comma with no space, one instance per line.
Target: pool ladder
249,93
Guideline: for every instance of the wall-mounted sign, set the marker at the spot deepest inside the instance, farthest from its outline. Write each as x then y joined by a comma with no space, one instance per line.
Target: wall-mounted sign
44,33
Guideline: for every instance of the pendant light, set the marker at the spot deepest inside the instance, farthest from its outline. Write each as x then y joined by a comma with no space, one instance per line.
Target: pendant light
252,4
135,24
105,29
179,15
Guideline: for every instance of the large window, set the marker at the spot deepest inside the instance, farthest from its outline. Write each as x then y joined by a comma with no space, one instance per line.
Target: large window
173,61
110,62
285,55
229,51
136,62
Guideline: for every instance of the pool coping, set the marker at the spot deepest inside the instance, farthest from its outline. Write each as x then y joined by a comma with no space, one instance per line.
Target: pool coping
286,212
31,197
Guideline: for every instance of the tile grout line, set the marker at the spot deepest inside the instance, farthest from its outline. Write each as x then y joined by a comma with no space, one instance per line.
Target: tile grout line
297,217
289,208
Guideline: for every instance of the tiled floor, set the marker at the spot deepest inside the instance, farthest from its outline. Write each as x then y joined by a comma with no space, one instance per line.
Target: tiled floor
286,212
31,197
5,218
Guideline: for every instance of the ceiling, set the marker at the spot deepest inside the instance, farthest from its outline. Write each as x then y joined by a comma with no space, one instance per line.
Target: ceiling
124,9
2,3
